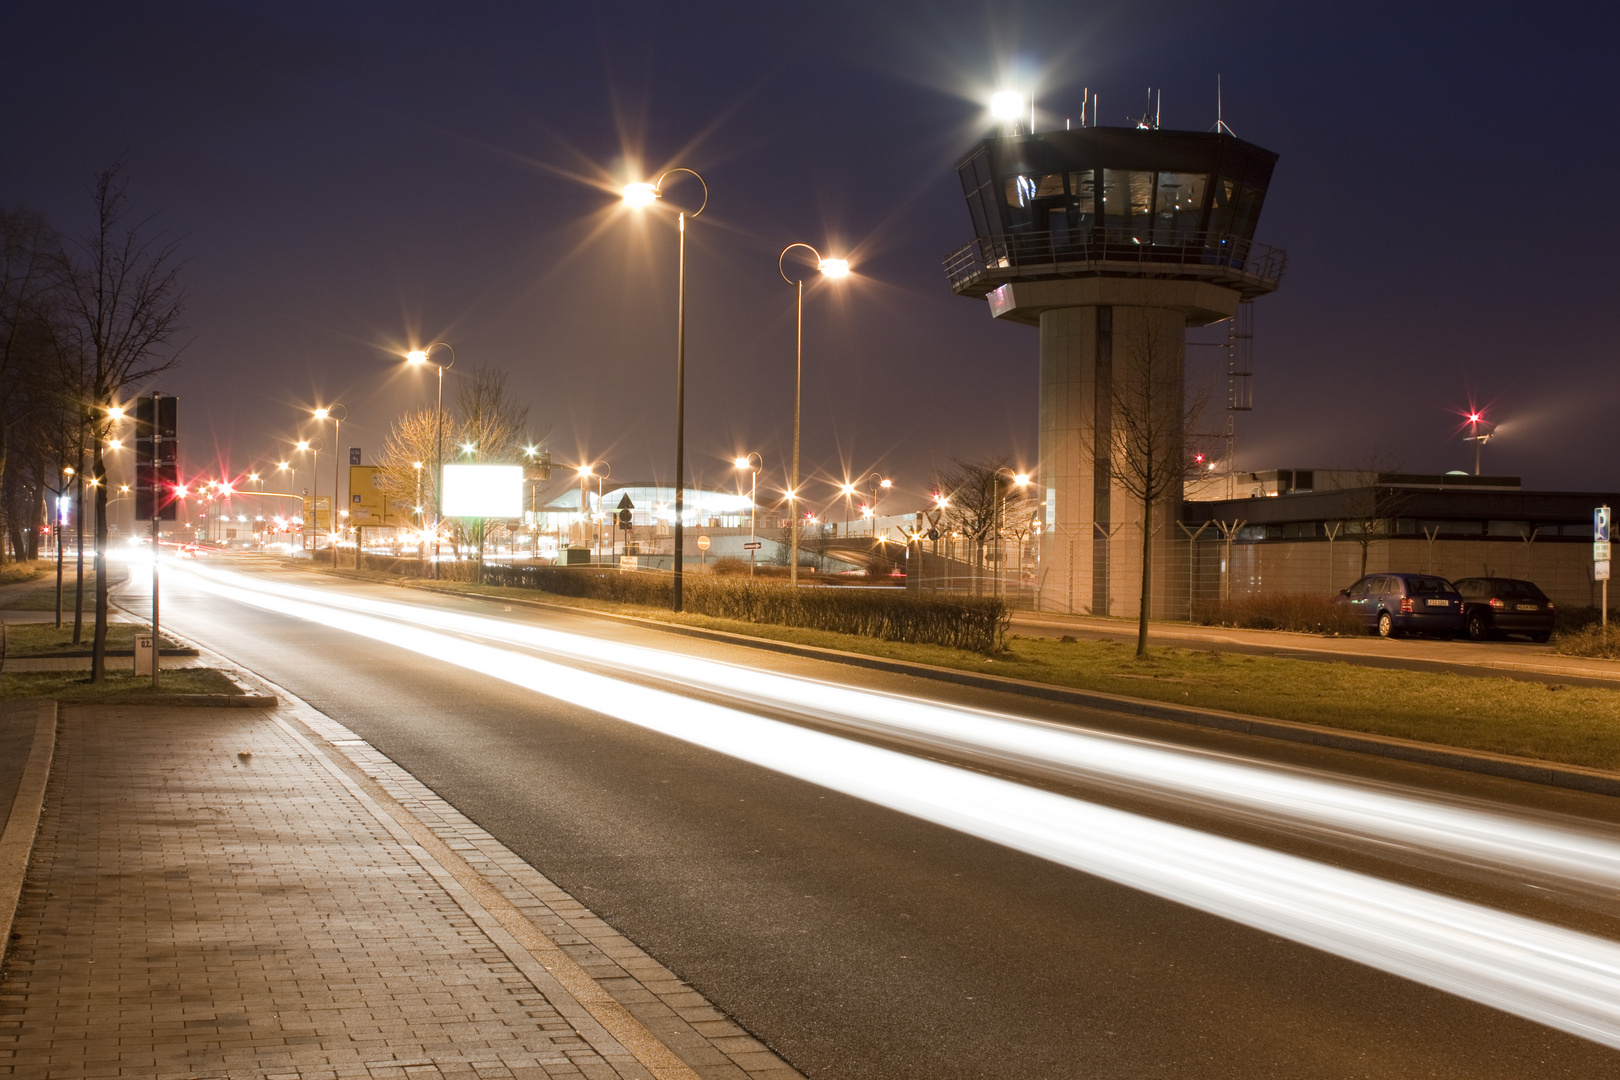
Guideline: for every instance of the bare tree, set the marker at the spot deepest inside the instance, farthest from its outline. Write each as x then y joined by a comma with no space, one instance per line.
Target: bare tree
408,457
1372,507
1148,454
32,273
492,428
121,307
980,499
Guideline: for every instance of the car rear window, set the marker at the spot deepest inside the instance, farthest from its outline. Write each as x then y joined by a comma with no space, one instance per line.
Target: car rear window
1427,586
1518,590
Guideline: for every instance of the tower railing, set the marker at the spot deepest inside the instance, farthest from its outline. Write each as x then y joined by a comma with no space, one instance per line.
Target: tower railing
980,266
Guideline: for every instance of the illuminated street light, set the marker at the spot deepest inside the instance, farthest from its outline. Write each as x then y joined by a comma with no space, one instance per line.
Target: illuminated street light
747,462
833,268
1021,480
417,357
337,412
636,196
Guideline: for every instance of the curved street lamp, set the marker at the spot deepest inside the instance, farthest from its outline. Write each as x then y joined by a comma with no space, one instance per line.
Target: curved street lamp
416,357
313,448
833,268
638,196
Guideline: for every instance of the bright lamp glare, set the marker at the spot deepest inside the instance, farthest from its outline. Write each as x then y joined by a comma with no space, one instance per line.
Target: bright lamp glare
637,195
1007,105
741,463
416,356
321,414
1021,479
835,268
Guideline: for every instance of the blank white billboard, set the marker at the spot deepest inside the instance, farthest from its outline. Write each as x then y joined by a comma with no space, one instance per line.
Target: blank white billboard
483,491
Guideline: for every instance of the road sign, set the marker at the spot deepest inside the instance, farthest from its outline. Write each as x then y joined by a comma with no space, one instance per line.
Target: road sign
1600,551
367,505
354,455
703,543
1601,519
625,506
1600,571
752,545
156,451
933,534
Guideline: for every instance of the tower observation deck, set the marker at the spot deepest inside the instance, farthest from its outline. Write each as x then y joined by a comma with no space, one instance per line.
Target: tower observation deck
1112,241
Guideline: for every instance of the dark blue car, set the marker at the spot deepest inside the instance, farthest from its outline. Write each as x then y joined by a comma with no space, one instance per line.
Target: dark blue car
1390,604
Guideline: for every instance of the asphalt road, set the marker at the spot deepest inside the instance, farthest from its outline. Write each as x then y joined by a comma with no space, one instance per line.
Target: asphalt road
860,941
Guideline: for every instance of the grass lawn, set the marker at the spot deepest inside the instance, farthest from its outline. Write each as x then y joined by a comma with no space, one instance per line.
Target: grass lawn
44,599
1576,725
76,685
39,639
25,570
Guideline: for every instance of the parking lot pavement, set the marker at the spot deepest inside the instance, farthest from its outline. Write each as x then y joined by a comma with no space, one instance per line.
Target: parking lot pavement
256,893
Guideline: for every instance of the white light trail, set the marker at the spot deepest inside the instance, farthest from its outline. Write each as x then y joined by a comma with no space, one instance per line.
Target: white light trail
1555,976
1457,829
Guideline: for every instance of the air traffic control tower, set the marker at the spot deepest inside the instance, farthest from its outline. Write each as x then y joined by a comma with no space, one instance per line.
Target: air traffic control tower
1112,241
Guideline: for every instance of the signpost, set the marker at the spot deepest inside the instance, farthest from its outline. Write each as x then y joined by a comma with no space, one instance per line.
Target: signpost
157,486
625,521
1602,519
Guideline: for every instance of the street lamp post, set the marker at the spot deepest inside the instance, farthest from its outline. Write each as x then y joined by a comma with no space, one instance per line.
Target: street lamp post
313,448
330,413
747,462
1022,480
873,483
639,195
420,356
586,472
833,268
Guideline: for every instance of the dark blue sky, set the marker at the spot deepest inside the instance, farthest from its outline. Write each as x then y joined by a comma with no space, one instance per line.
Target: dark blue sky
350,178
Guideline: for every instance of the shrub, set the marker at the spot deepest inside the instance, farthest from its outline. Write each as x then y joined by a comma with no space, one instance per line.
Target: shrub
1306,613
729,566
974,623
1595,640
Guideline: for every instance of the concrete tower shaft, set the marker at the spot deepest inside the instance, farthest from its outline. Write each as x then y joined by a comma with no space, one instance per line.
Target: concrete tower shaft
1112,242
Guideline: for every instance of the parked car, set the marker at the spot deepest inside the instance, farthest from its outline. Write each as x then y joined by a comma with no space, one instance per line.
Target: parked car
1390,604
1499,605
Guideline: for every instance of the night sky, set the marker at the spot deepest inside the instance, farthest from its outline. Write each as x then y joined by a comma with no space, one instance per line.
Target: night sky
351,179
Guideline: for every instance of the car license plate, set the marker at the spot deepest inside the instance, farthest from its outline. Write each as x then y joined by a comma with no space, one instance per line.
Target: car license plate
1529,607
1438,603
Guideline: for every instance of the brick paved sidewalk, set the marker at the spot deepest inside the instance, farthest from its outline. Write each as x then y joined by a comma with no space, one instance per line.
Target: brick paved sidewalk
309,910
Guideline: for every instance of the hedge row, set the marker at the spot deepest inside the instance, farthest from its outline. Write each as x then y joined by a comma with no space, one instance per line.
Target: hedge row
975,623
1307,613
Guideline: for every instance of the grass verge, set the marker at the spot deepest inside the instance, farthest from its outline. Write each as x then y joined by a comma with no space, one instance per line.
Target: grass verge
1574,725
40,639
25,570
76,685
44,599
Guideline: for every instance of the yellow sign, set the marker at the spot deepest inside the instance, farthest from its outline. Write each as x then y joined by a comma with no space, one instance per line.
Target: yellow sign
318,513
367,504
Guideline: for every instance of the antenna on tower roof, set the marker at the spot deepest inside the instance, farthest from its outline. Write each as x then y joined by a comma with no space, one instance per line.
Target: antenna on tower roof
1220,124
1158,106
1084,101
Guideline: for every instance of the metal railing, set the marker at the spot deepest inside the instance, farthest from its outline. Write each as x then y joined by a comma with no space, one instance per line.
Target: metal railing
988,261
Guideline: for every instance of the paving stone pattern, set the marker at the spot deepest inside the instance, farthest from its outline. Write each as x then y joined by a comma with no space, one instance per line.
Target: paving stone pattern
193,913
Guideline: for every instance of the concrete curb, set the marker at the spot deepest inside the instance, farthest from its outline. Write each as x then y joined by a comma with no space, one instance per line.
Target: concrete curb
202,701
1531,770
17,842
